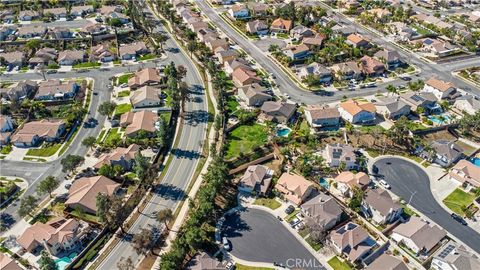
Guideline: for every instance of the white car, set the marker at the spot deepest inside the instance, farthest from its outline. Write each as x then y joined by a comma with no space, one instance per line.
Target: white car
230,265
225,243
384,184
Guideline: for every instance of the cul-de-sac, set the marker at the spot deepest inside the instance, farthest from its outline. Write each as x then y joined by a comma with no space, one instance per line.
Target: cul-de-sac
239,134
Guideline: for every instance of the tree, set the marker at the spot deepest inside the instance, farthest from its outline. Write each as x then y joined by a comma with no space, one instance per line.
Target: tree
70,162
46,262
143,241
107,108
164,216
161,134
192,46
33,45
391,89
141,166
110,171
48,185
89,141
318,234
110,211
161,39
125,264
356,200
27,205
115,22
400,132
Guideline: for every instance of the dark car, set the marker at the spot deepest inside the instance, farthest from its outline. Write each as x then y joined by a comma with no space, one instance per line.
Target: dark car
459,219
406,78
290,209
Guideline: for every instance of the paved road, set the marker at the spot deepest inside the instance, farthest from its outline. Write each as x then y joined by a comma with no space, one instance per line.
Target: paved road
180,171
255,235
407,178
34,172
286,85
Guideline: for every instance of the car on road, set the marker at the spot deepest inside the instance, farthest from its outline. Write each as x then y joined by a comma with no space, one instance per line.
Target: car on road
384,184
290,209
95,93
226,244
68,186
51,71
459,219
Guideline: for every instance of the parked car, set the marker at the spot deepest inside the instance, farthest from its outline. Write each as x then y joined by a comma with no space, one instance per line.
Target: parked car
294,222
226,244
459,219
384,184
290,209
230,265
67,186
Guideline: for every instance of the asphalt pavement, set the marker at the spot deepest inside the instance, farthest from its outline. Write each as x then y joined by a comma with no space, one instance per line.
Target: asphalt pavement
409,181
257,236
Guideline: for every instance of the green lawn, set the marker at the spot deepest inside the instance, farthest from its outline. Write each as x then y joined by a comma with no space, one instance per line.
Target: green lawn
6,149
282,36
124,78
291,216
84,216
270,203
100,137
315,246
244,267
146,57
232,104
112,136
122,108
244,139
336,264
457,199
44,151
124,93
87,65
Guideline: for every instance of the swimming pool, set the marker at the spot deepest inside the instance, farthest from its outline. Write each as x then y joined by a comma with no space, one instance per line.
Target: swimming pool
64,261
476,161
324,183
283,132
437,119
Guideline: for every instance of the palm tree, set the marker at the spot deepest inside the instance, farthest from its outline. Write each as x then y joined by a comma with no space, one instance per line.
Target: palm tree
33,106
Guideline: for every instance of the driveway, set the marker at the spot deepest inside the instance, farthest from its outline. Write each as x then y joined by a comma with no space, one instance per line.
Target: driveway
257,236
406,178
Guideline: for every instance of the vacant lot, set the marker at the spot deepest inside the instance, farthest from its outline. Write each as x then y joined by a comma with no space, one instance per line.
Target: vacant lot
244,139
457,200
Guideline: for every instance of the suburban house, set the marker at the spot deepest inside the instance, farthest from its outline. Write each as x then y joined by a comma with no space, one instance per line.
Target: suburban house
468,104
57,13
466,173
6,128
102,53
43,56
256,179
94,29
322,210
390,58
60,32
31,31
357,41
196,26
294,188
202,261
418,235
231,66
6,32
347,70
19,90
453,256
70,57
439,88
380,14
314,42
278,111
57,235
319,116
216,44
258,9
387,262
253,94
134,122
7,263
323,74
371,66
131,51
378,205
146,96
426,102
28,15
83,192
244,76
297,52
281,26
347,181
392,107
444,153
146,76
80,11
352,241
336,154
299,32
206,34
357,112
54,89
239,11
257,27
226,55
33,132
124,157
14,59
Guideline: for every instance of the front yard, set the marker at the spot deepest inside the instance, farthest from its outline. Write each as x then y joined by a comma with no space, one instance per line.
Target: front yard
124,78
244,267
336,264
122,108
270,203
112,137
44,151
458,200
244,139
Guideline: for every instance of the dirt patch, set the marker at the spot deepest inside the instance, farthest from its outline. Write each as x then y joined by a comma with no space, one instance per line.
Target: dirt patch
227,197
443,134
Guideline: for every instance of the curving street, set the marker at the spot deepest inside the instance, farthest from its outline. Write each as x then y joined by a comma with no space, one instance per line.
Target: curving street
407,178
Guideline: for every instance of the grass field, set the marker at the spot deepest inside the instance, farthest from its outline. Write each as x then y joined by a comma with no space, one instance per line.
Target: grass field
270,203
87,65
457,199
44,151
336,264
244,139
124,78
122,108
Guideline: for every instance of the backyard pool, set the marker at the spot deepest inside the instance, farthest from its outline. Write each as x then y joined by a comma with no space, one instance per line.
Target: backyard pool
64,261
283,132
324,183
476,161
439,119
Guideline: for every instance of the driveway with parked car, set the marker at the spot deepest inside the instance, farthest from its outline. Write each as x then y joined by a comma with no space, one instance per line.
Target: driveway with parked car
257,236
409,181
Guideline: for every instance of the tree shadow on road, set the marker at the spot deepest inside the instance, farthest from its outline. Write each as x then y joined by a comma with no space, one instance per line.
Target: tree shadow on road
234,225
169,192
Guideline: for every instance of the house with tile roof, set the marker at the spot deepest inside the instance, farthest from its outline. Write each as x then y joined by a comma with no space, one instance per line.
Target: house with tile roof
466,173
102,53
143,77
216,44
245,76
392,107
146,96
444,153
133,50
71,57
7,263
352,241
254,94
347,181
83,192
426,101
357,41
297,52
121,156
140,121
281,26
336,154
316,69
347,70
322,210
31,133
371,66
468,104
256,178
6,128
378,205
357,112
387,262
257,27
390,58
203,261
294,188
278,111
319,116
55,89
441,89
453,256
